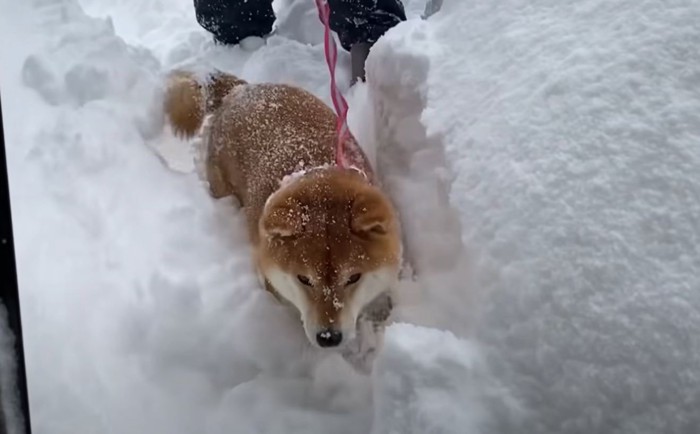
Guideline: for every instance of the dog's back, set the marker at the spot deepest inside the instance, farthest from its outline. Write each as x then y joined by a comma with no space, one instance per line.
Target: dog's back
272,130
258,134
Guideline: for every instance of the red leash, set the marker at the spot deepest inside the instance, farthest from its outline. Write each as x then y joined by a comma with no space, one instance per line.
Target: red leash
339,102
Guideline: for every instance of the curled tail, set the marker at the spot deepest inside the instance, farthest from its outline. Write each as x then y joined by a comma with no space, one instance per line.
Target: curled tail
188,99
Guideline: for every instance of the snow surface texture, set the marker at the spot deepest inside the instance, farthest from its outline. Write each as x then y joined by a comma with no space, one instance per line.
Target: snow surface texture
573,128
556,140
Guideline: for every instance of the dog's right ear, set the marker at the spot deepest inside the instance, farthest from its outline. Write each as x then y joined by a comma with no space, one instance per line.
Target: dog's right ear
283,220
370,215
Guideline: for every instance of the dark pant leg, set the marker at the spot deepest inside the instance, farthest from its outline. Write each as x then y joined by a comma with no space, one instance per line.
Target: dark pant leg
230,21
364,21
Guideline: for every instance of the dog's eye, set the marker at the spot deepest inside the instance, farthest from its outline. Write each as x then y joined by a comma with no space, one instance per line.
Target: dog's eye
304,280
354,279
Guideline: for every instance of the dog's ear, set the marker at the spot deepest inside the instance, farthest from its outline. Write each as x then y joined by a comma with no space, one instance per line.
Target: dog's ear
370,214
284,219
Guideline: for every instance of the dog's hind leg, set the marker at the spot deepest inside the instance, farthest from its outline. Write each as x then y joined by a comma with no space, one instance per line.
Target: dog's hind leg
220,183
208,165
218,186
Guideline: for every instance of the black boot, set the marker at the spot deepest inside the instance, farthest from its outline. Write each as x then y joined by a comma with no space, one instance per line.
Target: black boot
359,23
364,20
231,21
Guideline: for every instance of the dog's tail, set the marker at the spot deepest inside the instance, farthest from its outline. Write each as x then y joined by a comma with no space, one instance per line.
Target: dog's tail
188,99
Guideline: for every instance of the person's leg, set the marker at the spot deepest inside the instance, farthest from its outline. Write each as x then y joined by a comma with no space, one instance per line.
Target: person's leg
364,21
359,23
231,21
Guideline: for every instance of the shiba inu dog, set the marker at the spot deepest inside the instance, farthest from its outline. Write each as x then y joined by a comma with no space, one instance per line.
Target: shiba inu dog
326,238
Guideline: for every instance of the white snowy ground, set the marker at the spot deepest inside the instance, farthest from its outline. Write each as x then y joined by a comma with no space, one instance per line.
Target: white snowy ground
545,158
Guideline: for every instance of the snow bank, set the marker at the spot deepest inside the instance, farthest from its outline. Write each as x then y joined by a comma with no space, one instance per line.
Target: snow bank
573,129
415,171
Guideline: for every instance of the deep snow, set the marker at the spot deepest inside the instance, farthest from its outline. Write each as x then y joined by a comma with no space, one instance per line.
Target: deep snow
544,158
575,135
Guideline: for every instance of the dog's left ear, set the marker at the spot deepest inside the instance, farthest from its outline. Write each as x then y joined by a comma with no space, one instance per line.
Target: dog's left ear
370,214
283,220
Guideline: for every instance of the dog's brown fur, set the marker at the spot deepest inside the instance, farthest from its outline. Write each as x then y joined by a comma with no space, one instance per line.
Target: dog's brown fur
327,225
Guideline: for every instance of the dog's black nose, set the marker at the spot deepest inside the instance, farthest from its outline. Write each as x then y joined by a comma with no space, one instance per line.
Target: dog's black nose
329,338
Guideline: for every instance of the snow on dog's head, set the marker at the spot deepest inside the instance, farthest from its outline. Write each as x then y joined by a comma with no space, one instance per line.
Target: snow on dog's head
330,245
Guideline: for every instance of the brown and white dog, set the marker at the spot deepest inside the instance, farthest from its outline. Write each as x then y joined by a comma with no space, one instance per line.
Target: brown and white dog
326,239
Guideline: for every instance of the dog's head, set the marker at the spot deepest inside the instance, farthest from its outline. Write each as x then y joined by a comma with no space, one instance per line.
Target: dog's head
330,245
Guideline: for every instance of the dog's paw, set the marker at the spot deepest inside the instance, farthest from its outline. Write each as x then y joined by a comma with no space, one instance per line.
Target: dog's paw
378,311
361,352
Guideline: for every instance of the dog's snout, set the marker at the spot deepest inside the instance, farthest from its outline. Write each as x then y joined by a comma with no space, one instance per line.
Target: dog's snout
329,338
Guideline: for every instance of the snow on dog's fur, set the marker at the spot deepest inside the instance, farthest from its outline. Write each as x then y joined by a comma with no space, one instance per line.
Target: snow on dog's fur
326,239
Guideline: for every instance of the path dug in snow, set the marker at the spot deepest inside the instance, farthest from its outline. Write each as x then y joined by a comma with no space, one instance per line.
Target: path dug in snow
141,312
543,155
